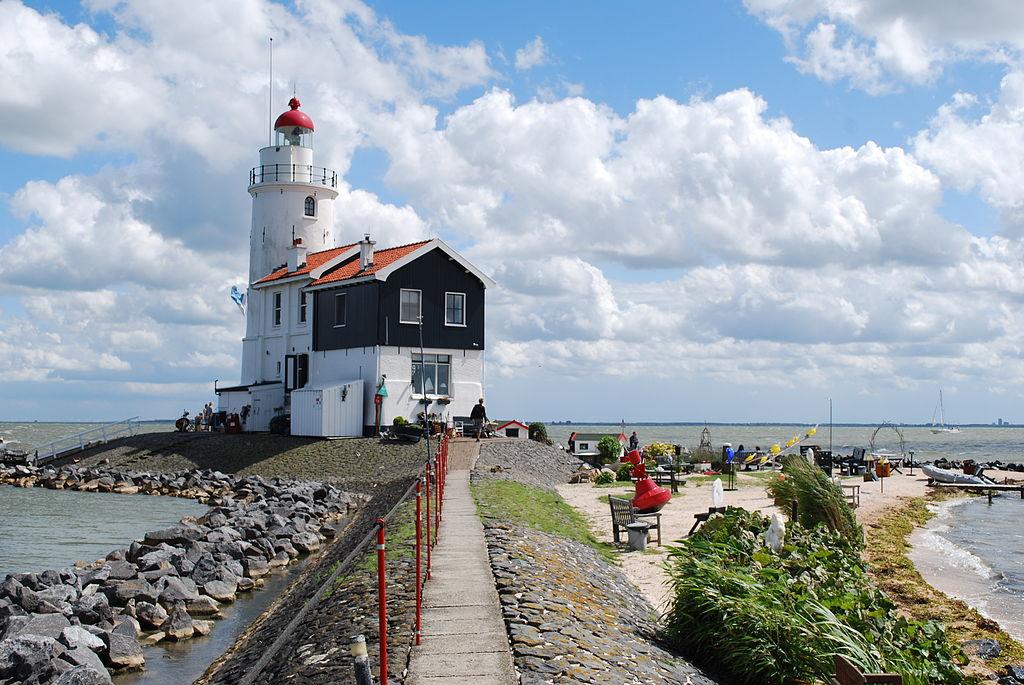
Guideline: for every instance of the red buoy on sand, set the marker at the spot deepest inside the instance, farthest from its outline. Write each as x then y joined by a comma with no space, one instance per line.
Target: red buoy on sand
649,497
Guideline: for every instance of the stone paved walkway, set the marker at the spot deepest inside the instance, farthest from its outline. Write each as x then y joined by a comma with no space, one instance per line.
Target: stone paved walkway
464,638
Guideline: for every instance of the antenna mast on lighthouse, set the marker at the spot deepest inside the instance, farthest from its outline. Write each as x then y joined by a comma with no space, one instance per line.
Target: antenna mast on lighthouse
270,98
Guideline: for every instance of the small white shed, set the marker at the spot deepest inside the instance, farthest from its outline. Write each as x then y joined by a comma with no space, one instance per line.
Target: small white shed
330,411
513,429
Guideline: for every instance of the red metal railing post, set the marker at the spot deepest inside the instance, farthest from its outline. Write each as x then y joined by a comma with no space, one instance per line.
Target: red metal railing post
428,519
382,604
437,499
419,581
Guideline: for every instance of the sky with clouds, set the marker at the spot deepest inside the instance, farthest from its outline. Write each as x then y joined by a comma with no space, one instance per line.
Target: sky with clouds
695,211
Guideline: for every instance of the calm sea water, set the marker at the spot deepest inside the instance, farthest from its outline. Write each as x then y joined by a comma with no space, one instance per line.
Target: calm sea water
41,529
974,551
981,444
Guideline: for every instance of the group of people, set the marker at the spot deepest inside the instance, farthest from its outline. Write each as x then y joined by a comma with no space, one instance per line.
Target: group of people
204,418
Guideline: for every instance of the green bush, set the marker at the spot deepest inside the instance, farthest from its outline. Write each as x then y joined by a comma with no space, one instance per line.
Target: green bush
539,432
399,421
819,500
604,478
610,448
764,617
623,474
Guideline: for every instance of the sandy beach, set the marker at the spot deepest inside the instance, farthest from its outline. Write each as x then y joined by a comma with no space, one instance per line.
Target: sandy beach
645,568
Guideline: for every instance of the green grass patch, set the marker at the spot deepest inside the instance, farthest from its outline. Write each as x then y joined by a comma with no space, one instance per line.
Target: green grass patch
535,508
400,538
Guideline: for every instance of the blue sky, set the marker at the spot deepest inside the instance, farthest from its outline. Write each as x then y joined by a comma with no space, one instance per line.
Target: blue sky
755,198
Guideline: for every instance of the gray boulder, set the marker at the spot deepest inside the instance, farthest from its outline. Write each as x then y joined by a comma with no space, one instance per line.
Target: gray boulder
44,625
77,636
306,542
84,675
93,609
123,651
122,592
175,535
220,590
178,625
178,590
122,570
86,659
152,615
24,655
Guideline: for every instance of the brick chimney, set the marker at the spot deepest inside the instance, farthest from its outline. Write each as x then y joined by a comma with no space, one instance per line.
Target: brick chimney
296,255
366,252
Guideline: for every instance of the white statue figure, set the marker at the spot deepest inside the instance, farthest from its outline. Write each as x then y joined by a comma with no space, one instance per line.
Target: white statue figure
717,494
776,533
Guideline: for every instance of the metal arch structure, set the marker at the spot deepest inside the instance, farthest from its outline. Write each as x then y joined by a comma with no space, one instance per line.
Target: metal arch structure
894,428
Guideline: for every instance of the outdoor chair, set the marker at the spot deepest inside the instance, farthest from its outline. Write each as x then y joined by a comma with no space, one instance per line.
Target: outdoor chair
854,464
848,674
623,514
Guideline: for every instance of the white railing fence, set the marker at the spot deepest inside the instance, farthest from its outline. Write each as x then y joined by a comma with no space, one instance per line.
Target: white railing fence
85,438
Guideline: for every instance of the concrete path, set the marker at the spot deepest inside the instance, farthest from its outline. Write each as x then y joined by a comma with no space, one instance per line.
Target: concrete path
464,639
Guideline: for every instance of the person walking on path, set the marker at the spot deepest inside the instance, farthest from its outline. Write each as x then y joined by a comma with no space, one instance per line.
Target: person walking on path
479,415
634,442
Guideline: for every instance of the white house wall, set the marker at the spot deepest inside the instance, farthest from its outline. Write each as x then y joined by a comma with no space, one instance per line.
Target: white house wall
266,344
466,383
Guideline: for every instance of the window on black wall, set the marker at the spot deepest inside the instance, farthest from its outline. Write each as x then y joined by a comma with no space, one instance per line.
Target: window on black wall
277,309
302,307
310,206
340,309
431,373
410,306
455,309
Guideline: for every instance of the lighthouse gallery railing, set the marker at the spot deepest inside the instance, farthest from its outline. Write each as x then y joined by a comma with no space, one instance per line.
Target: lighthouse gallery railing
297,173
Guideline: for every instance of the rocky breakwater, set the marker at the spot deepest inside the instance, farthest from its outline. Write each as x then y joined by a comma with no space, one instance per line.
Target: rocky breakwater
74,626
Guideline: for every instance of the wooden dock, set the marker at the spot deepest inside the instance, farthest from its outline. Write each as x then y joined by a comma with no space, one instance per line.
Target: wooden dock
987,488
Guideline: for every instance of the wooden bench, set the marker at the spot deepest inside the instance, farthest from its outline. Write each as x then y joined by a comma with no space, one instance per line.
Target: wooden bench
704,516
623,514
848,674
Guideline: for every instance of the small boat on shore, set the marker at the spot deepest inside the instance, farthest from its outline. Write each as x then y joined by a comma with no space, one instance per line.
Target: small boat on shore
940,475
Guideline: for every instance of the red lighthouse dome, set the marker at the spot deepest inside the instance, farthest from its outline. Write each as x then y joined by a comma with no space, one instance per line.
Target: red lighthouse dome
292,119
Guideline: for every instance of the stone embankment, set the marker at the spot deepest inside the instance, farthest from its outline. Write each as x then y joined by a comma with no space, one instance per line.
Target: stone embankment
357,465
529,462
71,626
571,616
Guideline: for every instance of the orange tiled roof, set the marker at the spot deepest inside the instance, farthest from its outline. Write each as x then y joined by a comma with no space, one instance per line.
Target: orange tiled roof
313,261
381,259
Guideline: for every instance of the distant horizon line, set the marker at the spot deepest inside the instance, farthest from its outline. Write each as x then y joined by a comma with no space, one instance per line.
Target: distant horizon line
846,424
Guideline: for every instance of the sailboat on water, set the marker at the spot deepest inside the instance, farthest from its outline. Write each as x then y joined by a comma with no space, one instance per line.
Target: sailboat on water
941,426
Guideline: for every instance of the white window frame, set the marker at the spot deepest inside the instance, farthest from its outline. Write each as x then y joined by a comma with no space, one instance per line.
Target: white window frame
584,445
277,309
344,323
416,390
448,323
419,300
304,212
303,307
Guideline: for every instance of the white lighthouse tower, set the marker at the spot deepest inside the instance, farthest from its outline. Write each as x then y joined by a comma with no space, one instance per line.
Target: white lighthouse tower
291,198
292,215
